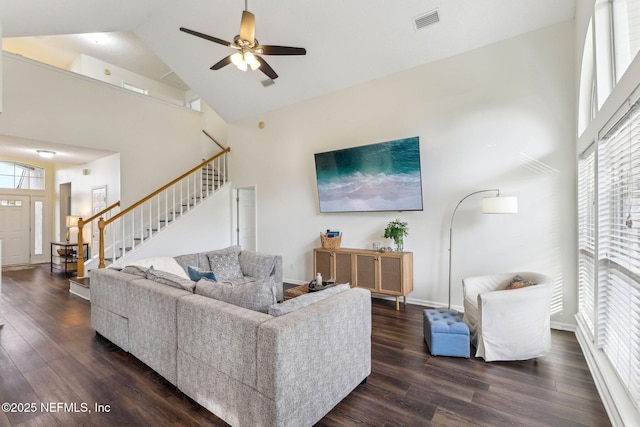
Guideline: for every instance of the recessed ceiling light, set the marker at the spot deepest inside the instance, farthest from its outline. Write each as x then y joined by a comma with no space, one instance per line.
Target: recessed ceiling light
47,154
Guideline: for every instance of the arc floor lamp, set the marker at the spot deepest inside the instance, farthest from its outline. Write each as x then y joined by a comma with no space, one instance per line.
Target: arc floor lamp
490,205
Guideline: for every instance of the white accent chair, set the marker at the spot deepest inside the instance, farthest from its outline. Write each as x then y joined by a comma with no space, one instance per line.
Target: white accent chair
509,324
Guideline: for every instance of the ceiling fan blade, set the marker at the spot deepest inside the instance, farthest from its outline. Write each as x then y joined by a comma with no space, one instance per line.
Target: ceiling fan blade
224,61
266,68
248,27
281,50
205,36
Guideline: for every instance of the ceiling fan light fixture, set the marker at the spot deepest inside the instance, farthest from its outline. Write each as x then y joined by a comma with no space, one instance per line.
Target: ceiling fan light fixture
236,58
249,58
254,65
247,48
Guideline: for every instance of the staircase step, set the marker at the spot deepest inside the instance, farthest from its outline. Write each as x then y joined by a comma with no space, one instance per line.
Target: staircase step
80,287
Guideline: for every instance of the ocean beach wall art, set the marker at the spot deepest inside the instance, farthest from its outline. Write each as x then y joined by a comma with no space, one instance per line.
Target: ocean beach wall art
379,177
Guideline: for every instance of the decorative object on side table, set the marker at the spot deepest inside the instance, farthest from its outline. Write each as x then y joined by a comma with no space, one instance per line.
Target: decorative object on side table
397,230
318,284
331,239
72,222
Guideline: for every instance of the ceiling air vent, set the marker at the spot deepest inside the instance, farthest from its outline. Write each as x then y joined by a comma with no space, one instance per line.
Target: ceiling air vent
426,19
268,82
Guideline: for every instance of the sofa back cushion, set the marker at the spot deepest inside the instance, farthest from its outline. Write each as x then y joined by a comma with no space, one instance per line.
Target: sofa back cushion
256,264
201,259
255,295
225,266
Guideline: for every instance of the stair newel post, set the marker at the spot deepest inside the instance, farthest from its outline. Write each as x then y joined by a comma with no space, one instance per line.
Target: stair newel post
80,248
101,244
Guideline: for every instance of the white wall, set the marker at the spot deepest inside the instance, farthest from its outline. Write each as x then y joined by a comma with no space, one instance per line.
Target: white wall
157,141
502,116
102,172
204,228
95,68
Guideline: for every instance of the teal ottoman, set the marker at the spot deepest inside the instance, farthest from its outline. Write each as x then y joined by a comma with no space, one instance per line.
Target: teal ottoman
445,333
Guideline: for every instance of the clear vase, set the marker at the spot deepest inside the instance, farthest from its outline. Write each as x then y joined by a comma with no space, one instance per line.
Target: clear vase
399,245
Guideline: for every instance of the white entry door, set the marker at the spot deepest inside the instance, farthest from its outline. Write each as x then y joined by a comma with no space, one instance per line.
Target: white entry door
15,221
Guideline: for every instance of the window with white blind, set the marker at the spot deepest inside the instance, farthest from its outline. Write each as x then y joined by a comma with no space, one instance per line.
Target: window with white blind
586,240
618,248
626,33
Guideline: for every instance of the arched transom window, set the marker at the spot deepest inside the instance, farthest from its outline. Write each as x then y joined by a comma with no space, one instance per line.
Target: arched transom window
21,176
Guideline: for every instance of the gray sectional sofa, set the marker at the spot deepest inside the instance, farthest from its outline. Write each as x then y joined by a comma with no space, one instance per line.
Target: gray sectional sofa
248,367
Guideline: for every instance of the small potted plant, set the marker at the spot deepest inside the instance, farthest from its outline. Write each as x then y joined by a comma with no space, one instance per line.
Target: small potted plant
396,230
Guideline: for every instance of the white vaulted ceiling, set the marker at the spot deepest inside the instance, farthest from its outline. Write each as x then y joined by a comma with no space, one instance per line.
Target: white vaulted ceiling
347,42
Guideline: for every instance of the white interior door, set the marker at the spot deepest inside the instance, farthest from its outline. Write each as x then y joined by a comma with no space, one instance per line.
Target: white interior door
246,218
15,221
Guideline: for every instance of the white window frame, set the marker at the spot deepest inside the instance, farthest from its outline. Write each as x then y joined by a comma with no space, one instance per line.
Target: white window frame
135,88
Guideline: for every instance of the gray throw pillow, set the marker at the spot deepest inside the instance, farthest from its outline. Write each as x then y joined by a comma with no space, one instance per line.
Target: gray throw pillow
257,296
225,266
201,260
256,264
170,279
136,270
306,299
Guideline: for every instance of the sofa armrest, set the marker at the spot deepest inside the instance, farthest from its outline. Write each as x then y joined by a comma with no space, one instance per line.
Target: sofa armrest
310,359
516,321
110,290
474,286
220,335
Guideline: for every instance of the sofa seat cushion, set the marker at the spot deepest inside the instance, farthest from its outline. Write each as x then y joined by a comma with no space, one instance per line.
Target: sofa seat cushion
256,295
306,299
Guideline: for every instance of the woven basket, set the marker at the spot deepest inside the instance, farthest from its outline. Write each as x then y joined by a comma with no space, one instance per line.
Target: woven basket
330,242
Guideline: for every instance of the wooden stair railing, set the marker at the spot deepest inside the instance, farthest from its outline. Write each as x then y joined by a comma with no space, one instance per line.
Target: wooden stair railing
213,139
195,191
81,224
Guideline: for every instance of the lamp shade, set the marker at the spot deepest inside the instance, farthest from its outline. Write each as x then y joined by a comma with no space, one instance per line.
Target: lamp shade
500,205
72,221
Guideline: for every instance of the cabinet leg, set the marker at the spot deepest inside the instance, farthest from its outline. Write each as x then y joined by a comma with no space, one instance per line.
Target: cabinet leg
397,303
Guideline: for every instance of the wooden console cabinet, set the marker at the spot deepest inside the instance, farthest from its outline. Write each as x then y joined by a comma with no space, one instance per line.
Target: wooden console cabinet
383,273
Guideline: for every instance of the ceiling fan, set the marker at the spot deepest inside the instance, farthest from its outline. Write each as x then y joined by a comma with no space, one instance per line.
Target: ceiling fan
248,50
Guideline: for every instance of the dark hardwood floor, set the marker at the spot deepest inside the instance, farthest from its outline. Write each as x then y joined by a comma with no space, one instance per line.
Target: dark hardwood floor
50,357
